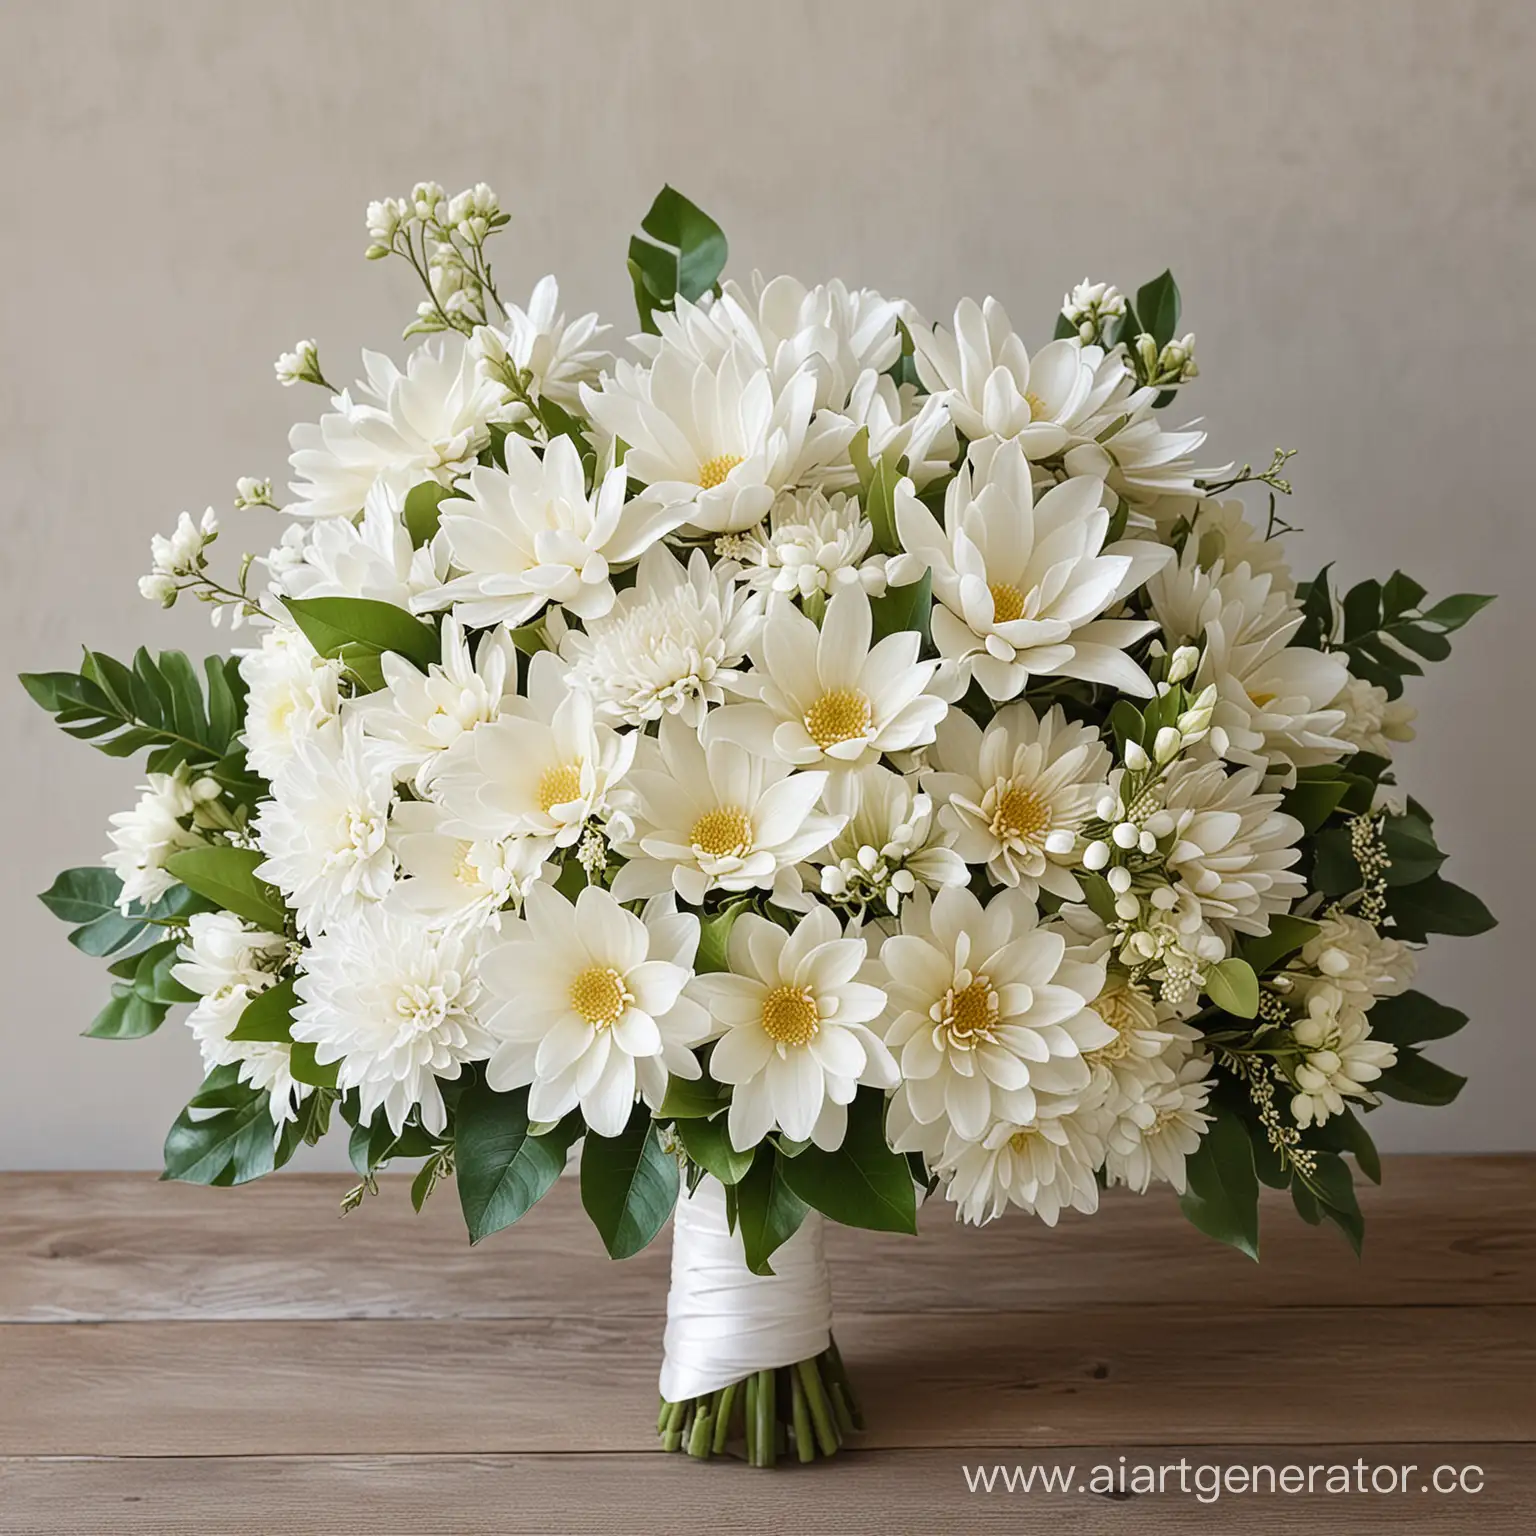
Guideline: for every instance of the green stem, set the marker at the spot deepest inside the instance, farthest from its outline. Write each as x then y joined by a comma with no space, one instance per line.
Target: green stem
751,1424
723,1417
820,1410
834,1358
767,1444
805,1445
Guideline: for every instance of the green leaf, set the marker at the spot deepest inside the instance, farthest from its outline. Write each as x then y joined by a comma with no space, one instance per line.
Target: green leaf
628,1184
708,1143
226,875
307,1127
268,1015
1451,613
503,1170
688,259
1098,895
88,896
1157,308
863,1183
1234,988
877,492
1410,845
1334,1191
692,1099
128,1016
1222,1194
1355,1139
1313,801
83,895
1411,1018
1436,905
225,1134
1334,870
305,1069
356,628
421,510
768,1211
902,608
715,937
1286,935
1414,1080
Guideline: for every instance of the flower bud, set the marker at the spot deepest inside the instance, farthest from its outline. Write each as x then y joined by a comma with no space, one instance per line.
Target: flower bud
1136,758
1168,744
1096,855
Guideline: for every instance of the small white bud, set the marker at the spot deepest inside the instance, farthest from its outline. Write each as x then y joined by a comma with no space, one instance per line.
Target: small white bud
1119,880
1136,758
1147,842
1126,834
1168,744
1108,808
1185,660
1164,898
1127,908
1060,842
1219,741
1096,855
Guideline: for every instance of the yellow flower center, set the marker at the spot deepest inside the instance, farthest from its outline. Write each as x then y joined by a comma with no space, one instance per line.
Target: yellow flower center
1020,1140
840,715
1261,698
559,785
1021,814
712,472
970,1014
1007,603
1038,409
723,832
789,1015
1124,1009
599,996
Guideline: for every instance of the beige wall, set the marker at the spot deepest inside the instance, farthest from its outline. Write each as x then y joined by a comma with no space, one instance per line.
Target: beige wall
1345,191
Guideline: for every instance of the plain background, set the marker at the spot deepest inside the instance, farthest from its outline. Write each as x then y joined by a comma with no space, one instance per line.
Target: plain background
1344,190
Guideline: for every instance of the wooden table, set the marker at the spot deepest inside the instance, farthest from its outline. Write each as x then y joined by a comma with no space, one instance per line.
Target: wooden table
206,1361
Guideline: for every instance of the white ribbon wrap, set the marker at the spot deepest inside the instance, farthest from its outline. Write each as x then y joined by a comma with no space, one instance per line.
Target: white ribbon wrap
724,1322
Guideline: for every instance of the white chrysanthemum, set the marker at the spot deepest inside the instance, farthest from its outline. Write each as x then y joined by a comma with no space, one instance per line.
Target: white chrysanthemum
1339,1055
419,715
825,697
891,843
1361,962
1152,1134
714,435
1220,530
1147,1033
812,543
446,878
335,557
1372,722
291,690
161,823
227,962
709,815
672,644
589,1005
544,769
1016,794
987,1010
395,1004
554,354
1273,698
1021,583
324,831
796,1041
430,420
530,535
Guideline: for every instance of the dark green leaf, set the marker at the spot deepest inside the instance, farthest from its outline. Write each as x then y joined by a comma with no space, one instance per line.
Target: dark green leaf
715,936
1157,308
305,1069
708,1143
628,1184
1355,1139
503,1170
224,1136
1411,1017
1436,905
903,608
692,1099
1410,845
863,1183
227,876
1286,935
128,1016
421,510
1222,1195
688,259
350,628
268,1015
1313,801
1415,1080
1334,1191
768,1211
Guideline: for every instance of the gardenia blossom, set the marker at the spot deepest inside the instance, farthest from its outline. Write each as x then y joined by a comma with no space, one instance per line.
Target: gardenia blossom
1020,584
1356,958
826,697
812,543
161,823
540,343
395,1005
588,1007
1339,1057
291,690
795,1042
1372,722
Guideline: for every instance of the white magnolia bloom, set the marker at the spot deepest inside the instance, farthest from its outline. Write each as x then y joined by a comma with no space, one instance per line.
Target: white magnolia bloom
430,420
812,543
1154,1133
1020,584
544,768
1340,1057
1354,957
396,1005
554,354
446,878
987,1011
589,1006
1372,722
826,697
162,822
324,831
291,691
419,715
227,962
709,815
891,843
1273,698
673,644
1016,794
529,535
796,1040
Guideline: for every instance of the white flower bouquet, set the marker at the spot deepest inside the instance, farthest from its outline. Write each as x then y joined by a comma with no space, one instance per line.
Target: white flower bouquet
819,762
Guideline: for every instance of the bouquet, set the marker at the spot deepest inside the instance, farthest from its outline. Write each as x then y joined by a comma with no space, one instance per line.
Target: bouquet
820,761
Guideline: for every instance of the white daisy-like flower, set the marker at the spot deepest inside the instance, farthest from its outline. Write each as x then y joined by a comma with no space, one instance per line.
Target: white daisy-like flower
987,1010
429,420
589,1008
1221,531
544,768
396,1005
324,831
530,535
1016,794
812,543
902,424
447,878
555,354
1125,444
891,843
291,691
162,822
825,697
709,815
419,715
1152,1134
673,644
796,1041
1372,722
1021,584
1339,1058
1355,957
1147,1032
